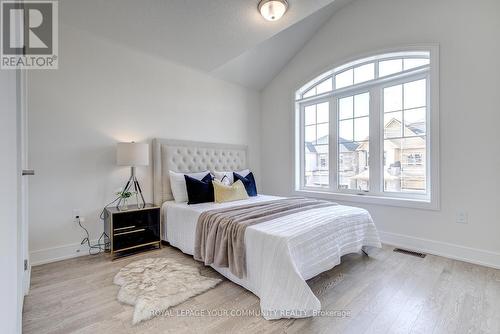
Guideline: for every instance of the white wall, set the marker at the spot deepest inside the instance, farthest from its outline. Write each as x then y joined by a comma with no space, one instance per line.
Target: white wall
10,279
104,93
467,32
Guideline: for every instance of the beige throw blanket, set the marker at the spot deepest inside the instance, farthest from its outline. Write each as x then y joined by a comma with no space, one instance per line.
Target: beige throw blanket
220,234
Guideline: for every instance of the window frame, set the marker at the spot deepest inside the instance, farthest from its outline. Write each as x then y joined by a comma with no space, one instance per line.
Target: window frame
376,194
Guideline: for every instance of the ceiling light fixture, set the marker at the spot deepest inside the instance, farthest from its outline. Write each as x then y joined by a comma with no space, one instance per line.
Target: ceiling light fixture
273,10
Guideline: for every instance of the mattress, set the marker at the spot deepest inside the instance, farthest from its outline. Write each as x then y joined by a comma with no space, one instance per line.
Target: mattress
180,219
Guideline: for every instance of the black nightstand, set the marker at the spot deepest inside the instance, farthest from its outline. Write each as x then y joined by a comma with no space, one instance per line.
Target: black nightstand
132,229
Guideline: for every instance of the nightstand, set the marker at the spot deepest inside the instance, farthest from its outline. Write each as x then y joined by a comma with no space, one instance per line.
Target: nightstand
132,229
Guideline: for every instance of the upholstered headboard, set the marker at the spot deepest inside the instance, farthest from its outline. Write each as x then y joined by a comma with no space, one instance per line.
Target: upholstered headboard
187,157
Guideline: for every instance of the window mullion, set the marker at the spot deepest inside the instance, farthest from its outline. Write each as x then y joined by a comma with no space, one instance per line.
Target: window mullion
301,164
429,153
376,142
333,146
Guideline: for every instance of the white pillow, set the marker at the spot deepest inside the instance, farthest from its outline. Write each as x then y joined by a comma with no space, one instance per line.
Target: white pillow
220,175
178,184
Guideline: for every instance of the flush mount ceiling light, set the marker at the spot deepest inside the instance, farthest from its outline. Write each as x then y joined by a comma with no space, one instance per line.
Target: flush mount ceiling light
272,10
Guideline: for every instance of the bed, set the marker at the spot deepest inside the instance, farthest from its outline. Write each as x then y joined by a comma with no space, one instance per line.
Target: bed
281,254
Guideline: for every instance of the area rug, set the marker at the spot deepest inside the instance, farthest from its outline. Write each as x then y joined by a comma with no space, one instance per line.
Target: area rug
155,284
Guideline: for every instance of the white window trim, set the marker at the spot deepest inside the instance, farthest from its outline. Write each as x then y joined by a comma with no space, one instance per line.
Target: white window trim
432,202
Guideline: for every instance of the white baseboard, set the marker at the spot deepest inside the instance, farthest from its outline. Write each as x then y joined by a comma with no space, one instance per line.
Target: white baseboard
452,251
59,253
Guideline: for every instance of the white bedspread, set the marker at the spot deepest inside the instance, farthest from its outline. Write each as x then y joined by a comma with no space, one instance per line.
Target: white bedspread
282,253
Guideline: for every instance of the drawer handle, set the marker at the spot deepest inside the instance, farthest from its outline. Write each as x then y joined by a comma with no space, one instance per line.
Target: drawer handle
128,232
124,228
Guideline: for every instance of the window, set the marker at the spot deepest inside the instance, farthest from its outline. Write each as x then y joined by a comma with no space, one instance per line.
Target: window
353,141
316,144
405,110
363,129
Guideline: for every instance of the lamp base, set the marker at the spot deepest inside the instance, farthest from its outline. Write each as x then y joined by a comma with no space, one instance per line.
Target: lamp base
132,181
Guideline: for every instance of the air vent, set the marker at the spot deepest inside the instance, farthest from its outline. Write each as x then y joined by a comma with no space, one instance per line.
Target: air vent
409,252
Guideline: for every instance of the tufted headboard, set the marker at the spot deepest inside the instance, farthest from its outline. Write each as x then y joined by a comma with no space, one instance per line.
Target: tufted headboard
187,157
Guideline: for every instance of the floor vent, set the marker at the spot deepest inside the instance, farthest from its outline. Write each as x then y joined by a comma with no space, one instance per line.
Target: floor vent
409,252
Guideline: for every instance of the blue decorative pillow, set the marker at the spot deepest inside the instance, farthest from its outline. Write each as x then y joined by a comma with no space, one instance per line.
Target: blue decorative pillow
199,191
248,182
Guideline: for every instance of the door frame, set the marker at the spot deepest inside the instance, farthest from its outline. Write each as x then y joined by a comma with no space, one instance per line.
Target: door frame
23,229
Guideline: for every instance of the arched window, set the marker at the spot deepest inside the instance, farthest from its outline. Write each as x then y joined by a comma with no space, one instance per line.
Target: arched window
363,128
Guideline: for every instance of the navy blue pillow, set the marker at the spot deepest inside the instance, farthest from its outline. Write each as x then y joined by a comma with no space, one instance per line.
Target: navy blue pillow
199,191
248,182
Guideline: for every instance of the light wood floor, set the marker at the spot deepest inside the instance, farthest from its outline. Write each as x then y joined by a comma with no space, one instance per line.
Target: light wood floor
384,293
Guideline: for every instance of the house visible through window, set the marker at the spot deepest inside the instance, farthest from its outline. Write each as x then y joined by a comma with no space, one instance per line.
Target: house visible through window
323,161
364,127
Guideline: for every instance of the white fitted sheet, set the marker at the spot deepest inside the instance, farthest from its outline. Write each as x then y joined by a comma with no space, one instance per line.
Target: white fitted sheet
282,253
180,219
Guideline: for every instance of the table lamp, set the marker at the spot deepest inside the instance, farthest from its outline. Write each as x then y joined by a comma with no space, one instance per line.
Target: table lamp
132,155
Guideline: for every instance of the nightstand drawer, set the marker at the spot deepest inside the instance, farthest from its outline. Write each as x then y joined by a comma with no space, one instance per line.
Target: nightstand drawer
134,237
135,219
127,230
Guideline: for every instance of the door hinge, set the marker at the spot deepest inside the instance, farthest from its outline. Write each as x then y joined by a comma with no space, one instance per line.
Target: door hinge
25,265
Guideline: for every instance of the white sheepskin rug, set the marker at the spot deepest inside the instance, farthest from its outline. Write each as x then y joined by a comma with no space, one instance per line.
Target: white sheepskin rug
153,285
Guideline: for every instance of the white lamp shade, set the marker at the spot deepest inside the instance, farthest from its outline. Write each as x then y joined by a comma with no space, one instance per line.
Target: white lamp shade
132,154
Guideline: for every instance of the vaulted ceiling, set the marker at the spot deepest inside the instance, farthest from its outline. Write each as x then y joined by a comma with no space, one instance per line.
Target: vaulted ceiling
227,38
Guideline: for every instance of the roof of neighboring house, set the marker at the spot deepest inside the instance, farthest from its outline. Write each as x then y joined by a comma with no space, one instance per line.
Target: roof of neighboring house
350,146
322,140
310,147
417,128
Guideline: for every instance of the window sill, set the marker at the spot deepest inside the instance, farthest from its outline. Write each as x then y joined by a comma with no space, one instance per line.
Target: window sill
371,199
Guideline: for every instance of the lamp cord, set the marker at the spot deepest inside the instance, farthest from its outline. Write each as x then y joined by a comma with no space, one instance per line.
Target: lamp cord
100,246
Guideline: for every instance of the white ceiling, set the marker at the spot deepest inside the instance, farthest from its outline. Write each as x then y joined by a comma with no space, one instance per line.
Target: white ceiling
256,67
226,37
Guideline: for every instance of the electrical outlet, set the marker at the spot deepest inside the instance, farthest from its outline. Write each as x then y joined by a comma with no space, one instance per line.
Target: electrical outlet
462,217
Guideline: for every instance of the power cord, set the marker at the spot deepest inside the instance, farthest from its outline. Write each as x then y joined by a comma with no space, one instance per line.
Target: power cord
100,246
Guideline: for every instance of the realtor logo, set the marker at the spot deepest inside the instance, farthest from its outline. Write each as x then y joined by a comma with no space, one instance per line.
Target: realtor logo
29,36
